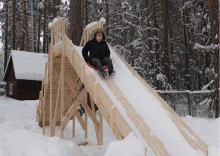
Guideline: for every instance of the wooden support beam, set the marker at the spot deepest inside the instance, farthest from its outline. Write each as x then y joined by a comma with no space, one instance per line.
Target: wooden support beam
51,86
101,129
80,119
56,108
73,108
44,105
90,113
62,83
73,126
86,125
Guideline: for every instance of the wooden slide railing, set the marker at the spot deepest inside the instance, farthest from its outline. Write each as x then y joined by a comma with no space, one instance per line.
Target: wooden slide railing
69,82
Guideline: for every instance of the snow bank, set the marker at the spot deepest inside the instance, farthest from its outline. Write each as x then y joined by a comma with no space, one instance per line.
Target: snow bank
21,136
130,146
21,142
207,130
29,65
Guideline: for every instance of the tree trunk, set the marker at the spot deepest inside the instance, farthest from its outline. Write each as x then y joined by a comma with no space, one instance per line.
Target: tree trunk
54,9
32,26
6,35
155,33
45,28
107,17
156,42
165,39
26,27
187,46
76,21
86,12
35,29
38,38
147,4
25,35
14,27
214,19
82,12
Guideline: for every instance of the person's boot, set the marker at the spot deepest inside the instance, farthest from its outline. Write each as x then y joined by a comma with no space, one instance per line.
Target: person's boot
112,73
105,74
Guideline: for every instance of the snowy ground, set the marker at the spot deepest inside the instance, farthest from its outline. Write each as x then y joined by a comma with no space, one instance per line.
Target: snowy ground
21,136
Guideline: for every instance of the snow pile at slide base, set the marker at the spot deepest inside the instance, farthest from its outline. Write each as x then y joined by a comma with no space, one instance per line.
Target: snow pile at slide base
21,136
130,146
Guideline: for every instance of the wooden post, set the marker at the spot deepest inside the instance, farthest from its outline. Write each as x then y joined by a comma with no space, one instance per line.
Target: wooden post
189,104
55,112
62,87
96,92
51,83
83,72
86,117
101,129
86,125
73,126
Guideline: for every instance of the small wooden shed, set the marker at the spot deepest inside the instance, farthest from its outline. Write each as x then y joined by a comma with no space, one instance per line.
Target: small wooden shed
24,74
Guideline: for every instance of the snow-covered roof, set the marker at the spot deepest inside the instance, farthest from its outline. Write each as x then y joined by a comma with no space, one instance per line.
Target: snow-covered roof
28,65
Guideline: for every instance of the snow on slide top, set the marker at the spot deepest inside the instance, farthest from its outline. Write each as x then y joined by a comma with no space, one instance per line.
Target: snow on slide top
148,107
29,65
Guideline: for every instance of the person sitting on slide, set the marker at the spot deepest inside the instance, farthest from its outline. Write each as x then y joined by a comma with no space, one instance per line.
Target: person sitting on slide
99,53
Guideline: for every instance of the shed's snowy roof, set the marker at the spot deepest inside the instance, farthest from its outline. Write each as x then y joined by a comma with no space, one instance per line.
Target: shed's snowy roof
29,65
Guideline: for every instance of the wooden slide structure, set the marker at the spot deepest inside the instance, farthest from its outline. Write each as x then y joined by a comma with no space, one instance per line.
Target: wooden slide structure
69,83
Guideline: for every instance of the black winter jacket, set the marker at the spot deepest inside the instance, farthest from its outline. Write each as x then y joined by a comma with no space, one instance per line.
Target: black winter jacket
96,49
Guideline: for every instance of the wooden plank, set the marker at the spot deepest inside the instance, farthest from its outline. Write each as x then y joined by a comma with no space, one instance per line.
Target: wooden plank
113,118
